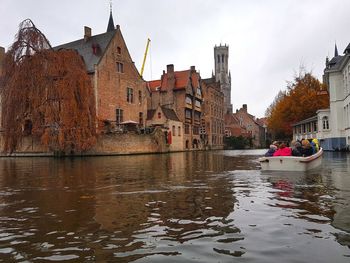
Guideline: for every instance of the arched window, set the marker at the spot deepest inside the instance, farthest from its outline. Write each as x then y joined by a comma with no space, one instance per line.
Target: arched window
218,58
159,115
325,123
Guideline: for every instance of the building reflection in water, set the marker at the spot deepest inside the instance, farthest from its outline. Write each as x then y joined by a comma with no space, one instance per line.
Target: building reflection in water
206,204
106,207
169,198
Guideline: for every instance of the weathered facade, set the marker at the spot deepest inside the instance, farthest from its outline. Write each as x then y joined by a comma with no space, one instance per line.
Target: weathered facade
181,91
168,121
213,113
233,127
252,126
120,92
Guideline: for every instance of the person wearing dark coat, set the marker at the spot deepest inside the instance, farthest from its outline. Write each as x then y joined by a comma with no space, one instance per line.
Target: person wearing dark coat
271,151
306,148
296,148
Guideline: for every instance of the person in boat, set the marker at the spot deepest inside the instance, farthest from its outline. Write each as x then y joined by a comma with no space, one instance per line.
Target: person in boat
283,150
296,148
306,148
313,146
271,151
317,145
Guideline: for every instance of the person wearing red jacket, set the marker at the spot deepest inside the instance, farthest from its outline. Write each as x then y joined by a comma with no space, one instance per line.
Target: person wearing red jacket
283,151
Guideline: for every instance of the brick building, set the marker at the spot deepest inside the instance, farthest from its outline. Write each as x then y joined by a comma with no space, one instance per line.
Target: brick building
120,92
213,113
181,91
233,127
167,119
252,126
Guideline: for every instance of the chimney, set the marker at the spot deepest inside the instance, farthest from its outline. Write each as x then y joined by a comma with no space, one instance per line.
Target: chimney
170,77
245,107
2,56
170,68
87,33
193,68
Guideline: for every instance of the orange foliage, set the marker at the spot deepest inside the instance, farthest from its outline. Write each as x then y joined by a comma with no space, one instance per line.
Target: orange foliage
301,101
46,93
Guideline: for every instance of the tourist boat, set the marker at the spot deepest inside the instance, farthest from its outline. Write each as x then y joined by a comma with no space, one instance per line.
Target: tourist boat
291,163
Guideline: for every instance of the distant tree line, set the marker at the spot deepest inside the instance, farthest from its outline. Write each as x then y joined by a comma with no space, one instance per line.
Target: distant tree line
237,142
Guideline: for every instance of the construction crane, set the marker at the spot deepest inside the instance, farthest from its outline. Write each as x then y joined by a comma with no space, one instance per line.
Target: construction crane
144,58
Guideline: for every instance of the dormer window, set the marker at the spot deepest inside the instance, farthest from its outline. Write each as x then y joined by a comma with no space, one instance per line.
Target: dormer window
95,49
159,115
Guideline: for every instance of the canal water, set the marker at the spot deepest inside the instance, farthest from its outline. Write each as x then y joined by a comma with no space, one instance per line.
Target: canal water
182,207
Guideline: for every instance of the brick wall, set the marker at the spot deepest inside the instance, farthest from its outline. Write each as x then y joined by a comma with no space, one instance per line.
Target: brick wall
130,143
111,84
107,144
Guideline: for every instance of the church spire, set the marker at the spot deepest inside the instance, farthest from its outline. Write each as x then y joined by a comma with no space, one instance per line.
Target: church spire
336,50
110,26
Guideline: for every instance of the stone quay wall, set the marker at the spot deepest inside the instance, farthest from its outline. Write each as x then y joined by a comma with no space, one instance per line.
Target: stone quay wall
107,144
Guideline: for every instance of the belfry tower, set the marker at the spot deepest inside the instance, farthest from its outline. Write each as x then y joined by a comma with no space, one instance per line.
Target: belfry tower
223,75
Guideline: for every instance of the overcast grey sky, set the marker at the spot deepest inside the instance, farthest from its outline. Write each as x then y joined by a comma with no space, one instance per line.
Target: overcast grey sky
268,40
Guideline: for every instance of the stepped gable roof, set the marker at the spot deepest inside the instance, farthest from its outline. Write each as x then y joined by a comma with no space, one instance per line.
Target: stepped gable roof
91,49
169,114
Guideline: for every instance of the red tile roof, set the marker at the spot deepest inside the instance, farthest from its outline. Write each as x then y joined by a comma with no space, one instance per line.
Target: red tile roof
182,79
154,84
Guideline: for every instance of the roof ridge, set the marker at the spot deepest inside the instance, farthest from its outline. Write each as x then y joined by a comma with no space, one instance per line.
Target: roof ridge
82,39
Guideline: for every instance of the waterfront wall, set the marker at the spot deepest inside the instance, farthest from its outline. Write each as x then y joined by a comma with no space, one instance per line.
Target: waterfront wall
107,144
129,143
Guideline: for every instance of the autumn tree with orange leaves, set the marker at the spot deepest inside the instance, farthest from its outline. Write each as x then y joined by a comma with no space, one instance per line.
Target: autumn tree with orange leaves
303,97
46,94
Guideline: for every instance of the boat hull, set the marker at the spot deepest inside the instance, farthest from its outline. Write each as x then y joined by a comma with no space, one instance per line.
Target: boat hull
291,163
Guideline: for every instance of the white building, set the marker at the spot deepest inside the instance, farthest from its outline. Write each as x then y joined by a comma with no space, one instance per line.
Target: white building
332,126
